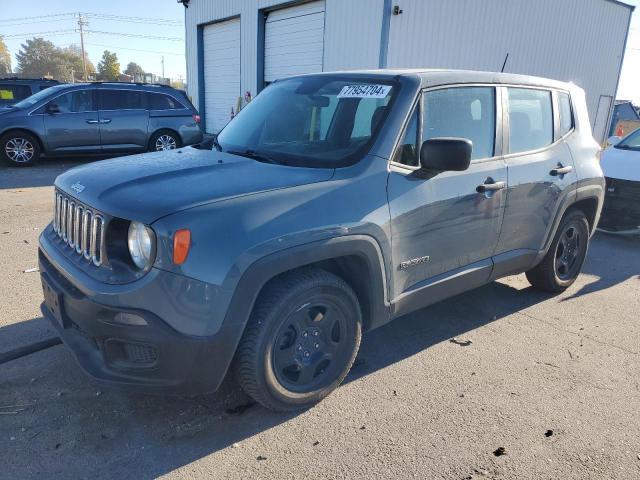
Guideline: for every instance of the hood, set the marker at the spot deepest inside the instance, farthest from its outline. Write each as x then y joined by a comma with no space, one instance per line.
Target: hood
149,186
621,164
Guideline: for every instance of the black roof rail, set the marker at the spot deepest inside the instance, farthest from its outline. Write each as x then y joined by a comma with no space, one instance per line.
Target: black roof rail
31,79
104,82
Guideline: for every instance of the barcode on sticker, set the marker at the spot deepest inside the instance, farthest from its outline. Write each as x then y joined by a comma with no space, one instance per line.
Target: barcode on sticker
364,91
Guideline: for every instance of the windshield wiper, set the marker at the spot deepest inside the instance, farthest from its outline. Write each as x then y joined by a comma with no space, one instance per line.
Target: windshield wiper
254,155
216,144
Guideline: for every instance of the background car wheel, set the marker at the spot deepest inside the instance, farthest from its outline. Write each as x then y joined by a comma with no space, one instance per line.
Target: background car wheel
19,149
301,340
164,140
563,262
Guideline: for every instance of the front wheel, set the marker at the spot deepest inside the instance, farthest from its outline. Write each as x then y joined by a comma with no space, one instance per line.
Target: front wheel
19,149
563,262
301,340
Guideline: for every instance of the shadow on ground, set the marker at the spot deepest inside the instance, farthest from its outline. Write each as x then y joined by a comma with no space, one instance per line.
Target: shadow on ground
66,427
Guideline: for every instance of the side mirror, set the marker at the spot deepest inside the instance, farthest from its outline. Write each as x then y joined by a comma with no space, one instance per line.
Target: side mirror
613,141
53,108
446,154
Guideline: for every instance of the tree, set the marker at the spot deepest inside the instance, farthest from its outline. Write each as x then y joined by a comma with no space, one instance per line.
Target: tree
5,58
134,70
72,57
108,68
38,58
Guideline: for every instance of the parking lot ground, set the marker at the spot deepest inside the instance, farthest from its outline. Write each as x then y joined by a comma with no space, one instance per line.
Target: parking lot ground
552,380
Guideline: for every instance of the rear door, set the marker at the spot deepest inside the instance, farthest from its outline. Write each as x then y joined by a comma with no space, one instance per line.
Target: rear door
124,119
539,163
74,127
447,222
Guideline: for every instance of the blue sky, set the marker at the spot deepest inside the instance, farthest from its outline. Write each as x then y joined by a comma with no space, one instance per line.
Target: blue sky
148,52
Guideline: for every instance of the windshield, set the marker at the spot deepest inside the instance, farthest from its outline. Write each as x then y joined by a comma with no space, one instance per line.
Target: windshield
316,121
631,142
42,94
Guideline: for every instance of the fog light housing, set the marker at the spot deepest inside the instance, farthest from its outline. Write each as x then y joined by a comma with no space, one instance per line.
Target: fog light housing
125,318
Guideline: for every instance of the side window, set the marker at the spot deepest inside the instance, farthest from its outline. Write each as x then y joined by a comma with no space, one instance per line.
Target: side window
75,102
530,119
466,112
407,151
120,100
14,92
566,113
159,101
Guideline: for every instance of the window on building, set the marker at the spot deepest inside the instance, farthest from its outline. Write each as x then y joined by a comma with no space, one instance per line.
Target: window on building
159,101
566,114
120,100
464,112
75,102
408,148
530,119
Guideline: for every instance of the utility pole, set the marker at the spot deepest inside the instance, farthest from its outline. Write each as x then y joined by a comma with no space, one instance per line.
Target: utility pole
162,69
82,23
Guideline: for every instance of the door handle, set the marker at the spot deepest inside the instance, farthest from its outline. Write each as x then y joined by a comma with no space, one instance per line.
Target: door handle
92,121
106,120
560,170
490,187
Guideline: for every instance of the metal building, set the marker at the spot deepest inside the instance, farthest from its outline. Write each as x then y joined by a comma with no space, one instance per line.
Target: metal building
239,46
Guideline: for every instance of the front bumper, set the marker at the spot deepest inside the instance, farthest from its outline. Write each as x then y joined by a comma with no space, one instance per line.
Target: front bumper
152,358
621,210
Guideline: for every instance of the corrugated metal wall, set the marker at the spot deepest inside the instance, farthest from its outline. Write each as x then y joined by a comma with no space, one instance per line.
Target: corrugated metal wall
571,40
352,35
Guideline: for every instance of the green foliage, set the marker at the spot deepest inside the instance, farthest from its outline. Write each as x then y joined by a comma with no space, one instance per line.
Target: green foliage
133,69
5,58
40,58
108,68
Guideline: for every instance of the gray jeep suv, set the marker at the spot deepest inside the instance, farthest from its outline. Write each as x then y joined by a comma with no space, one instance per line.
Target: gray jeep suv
98,118
332,204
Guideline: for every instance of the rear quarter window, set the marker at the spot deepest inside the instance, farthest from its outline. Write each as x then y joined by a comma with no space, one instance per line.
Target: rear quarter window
530,119
566,113
160,101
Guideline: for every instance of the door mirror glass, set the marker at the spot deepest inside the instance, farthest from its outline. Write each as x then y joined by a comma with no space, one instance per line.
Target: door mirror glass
52,108
446,154
613,141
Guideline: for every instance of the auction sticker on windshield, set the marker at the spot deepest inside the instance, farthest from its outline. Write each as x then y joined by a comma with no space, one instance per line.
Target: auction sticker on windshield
364,91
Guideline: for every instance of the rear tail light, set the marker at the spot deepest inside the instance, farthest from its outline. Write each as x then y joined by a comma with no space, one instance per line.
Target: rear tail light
196,118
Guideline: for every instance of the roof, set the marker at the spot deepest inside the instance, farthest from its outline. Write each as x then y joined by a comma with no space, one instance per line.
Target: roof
435,77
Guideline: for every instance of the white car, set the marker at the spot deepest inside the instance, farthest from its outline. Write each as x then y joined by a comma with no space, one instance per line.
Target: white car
621,167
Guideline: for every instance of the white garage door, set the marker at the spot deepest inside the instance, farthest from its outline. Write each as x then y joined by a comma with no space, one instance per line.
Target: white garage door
221,44
293,41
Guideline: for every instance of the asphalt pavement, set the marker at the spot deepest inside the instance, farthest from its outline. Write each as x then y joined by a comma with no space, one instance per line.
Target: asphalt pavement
501,382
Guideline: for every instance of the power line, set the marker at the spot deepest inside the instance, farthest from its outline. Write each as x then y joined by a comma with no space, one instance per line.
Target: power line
33,34
134,49
103,16
136,35
36,17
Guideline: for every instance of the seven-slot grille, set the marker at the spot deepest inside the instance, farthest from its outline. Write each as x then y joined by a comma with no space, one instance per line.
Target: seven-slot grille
79,227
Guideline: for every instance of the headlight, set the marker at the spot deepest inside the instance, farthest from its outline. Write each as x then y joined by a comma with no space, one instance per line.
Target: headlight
141,242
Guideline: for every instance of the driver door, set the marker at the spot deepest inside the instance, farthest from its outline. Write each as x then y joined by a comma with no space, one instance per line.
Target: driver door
71,122
445,226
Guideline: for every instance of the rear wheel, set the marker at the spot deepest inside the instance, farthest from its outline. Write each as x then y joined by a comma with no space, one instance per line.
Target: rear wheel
164,140
563,262
301,340
19,149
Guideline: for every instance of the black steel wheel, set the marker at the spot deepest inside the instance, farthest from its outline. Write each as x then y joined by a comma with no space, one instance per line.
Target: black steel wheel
563,262
301,340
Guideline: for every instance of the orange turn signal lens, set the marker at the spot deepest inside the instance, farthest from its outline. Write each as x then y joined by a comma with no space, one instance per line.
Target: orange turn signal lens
181,244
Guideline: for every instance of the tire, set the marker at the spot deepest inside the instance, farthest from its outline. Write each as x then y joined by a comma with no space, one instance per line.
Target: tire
563,262
283,360
19,149
164,140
